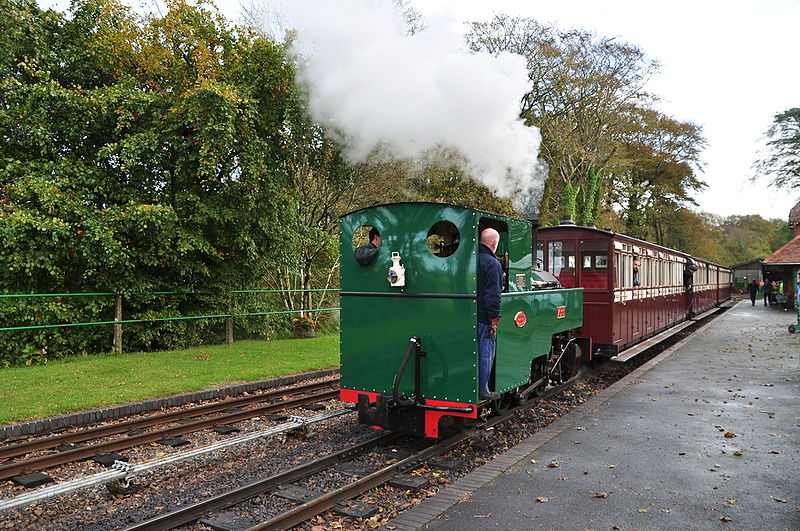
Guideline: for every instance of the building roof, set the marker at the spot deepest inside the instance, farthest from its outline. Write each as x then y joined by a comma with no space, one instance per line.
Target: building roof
756,263
794,215
789,254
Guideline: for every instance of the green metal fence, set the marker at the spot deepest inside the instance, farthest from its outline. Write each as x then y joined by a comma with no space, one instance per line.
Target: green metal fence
118,321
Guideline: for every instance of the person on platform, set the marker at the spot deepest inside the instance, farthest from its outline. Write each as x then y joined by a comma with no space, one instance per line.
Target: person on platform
767,292
365,254
752,289
490,286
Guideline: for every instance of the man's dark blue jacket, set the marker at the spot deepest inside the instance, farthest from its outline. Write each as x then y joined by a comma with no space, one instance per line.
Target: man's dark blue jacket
490,285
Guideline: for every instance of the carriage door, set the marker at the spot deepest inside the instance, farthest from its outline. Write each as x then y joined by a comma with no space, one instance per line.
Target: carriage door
593,277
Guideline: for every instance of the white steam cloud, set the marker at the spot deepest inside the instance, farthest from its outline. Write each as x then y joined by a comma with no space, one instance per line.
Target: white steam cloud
410,96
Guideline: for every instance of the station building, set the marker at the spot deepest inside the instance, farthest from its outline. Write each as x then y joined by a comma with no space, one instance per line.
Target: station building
784,264
745,272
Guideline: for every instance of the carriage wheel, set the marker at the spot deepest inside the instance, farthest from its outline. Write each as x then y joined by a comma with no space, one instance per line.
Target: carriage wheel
792,329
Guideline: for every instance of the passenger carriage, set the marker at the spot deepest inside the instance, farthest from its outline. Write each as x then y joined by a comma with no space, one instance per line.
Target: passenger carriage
618,311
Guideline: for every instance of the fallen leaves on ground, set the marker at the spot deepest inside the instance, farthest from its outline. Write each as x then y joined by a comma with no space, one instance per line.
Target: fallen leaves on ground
542,499
599,495
726,519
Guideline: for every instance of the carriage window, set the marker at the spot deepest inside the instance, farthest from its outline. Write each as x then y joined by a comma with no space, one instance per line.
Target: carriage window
594,264
626,270
539,255
561,261
637,272
443,239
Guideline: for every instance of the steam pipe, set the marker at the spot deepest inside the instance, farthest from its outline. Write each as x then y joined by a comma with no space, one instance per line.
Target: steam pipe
534,240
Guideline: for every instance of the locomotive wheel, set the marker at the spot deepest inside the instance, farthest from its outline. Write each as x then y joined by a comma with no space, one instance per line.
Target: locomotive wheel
505,403
518,400
538,370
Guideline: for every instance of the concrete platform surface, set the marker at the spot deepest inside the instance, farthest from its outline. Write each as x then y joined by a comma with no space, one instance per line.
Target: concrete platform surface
705,438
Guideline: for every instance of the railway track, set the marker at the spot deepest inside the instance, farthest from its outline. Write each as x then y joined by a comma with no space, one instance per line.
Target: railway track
26,466
190,513
307,510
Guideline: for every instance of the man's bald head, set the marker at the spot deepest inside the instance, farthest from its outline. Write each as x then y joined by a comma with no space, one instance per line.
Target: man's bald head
490,238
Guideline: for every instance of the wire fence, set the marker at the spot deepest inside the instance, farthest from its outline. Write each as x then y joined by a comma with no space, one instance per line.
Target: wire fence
119,321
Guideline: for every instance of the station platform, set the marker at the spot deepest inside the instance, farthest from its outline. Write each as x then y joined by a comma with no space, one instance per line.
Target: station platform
705,436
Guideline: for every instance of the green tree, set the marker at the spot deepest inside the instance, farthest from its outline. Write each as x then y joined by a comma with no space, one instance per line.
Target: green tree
138,154
449,185
654,171
782,161
580,88
749,237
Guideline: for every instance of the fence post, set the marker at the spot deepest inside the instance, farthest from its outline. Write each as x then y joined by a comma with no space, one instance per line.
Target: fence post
118,327
229,323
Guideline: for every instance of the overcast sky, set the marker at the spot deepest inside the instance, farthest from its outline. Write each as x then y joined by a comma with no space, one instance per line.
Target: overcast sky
727,65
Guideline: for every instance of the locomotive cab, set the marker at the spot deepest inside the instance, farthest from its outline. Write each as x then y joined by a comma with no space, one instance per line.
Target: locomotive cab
409,346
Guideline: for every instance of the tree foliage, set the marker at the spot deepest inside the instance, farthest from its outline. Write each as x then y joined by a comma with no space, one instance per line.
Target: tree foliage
782,160
609,153
580,87
138,154
725,240
175,152
653,172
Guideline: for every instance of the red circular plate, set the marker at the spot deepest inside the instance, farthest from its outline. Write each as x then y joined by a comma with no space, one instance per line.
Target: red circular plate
520,319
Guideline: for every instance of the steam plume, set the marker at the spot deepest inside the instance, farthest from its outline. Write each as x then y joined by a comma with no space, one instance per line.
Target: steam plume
413,95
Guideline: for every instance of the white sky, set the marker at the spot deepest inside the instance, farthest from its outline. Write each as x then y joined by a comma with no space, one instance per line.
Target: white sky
727,65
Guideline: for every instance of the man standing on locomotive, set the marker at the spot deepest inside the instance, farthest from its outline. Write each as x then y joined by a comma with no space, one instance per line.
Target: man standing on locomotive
490,285
366,253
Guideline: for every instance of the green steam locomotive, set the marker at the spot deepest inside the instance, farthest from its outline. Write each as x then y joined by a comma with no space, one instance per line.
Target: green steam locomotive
409,317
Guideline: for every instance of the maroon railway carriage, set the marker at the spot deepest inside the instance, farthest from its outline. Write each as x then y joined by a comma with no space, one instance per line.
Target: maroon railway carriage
621,307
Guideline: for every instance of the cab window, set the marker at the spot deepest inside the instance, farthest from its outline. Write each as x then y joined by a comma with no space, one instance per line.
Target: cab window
502,248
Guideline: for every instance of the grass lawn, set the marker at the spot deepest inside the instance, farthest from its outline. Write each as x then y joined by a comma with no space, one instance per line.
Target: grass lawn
87,382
